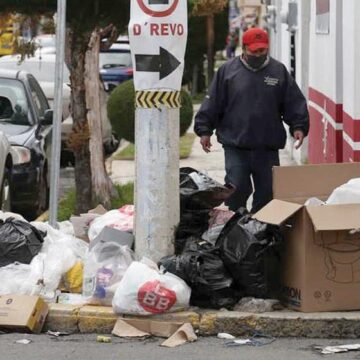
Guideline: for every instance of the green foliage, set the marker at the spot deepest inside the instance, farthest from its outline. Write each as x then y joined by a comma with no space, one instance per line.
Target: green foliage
121,111
67,205
196,45
82,15
186,143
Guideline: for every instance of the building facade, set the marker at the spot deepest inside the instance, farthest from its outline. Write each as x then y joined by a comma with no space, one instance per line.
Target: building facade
319,42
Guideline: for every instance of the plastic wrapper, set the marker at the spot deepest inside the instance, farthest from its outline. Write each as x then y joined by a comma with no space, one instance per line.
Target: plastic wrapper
144,290
59,253
203,270
211,235
121,219
199,191
19,241
348,193
105,266
251,252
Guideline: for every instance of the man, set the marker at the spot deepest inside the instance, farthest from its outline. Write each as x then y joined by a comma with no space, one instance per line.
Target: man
249,99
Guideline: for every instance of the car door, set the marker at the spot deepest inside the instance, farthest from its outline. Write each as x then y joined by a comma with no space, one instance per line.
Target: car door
40,105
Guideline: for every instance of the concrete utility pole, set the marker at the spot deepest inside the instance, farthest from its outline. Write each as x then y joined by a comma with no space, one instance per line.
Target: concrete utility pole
158,33
56,136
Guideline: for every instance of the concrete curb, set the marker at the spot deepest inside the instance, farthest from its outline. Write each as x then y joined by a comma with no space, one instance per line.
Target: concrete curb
101,320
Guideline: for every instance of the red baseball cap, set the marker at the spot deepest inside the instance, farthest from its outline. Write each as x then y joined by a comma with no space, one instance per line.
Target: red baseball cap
255,38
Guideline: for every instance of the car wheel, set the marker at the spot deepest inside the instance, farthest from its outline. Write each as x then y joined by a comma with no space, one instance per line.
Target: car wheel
6,193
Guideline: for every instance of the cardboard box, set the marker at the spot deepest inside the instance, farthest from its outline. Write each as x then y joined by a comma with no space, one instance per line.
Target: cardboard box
109,234
22,313
321,268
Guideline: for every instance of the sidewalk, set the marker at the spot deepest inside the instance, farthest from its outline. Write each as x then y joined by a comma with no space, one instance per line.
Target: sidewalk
101,320
123,171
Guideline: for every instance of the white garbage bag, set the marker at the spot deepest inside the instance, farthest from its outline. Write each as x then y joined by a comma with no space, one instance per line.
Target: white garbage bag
144,290
121,219
348,193
104,267
59,253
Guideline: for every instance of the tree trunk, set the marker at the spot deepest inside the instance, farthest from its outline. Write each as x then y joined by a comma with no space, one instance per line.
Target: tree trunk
210,47
79,139
93,87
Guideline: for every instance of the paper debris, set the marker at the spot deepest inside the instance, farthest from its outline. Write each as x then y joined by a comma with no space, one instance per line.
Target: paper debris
338,348
146,327
23,341
181,336
225,336
123,329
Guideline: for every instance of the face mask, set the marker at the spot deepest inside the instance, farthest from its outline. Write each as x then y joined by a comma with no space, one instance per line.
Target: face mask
255,61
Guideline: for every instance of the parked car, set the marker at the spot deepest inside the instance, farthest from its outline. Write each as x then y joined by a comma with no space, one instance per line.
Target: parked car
6,164
115,65
42,67
26,120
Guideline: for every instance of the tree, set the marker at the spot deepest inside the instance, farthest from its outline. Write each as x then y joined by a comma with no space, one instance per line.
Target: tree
197,48
85,21
209,8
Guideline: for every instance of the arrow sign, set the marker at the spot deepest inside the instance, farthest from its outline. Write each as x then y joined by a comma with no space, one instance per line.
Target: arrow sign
164,64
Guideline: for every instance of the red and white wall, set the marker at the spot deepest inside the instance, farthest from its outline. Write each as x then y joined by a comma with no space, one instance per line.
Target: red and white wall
325,93
328,72
351,80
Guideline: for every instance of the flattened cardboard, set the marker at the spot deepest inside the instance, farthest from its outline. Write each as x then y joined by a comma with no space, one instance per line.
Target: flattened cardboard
152,327
335,217
299,183
276,212
23,313
181,336
123,329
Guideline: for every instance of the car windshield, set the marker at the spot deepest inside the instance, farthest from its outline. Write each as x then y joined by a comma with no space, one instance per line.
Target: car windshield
43,70
113,59
13,102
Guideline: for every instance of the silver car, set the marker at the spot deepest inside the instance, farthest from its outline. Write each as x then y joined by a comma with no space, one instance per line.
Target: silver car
6,163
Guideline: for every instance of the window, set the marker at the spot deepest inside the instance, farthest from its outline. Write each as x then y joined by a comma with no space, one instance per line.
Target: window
14,103
41,104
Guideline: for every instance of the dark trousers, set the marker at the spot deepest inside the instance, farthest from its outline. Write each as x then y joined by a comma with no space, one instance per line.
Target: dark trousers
240,166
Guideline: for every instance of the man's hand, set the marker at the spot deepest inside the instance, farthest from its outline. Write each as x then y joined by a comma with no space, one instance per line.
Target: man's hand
299,137
205,143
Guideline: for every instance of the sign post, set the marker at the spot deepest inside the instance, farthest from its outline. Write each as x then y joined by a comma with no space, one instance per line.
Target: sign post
158,34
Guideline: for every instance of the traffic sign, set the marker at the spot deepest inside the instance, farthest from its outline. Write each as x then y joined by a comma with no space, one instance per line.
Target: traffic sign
158,34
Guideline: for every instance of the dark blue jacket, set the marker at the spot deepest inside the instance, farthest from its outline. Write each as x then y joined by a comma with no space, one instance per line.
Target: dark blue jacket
247,108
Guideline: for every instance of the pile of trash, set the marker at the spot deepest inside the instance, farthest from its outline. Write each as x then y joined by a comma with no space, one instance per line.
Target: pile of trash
223,256
220,256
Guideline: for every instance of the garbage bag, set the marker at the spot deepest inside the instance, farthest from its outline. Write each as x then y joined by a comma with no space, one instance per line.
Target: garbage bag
199,191
193,223
19,241
144,290
104,267
203,270
348,193
121,219
251,252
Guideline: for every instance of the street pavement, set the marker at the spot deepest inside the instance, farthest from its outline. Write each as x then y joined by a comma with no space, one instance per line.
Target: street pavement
85,347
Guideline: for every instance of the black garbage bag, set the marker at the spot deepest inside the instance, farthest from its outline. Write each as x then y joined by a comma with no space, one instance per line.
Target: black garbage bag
199,191
201,267
19,241
193,223
251,251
